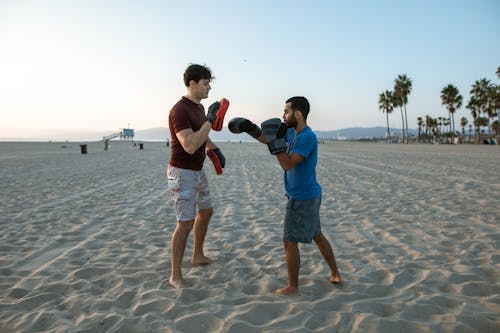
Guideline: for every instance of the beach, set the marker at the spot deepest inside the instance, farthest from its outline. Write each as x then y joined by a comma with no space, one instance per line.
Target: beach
85,241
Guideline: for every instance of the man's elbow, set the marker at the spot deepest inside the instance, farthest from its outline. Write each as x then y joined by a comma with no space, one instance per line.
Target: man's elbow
189,149
285,166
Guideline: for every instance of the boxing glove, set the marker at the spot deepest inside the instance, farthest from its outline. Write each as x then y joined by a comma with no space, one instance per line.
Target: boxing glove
239,125
275,131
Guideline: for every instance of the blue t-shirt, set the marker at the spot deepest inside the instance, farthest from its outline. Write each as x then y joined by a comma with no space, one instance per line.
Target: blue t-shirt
300,181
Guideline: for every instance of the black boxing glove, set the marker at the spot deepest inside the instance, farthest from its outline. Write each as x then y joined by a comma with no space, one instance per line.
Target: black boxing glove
212,112
239,125
274,132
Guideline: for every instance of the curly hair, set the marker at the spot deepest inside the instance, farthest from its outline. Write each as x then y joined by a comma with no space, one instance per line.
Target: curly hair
196,73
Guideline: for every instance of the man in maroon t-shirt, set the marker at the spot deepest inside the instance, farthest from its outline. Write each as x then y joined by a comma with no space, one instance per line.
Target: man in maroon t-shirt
187,183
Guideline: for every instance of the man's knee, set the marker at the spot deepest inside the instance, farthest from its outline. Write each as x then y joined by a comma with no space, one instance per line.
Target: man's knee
289,244
185,226
206,213
319,238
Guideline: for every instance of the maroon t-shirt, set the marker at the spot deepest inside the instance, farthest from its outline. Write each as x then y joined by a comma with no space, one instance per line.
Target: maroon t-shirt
186,114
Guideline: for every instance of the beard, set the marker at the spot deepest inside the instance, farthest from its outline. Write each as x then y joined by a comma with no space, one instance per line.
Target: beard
291,124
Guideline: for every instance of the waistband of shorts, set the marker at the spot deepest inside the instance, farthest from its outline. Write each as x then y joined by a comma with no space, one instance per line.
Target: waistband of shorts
184,170
288,197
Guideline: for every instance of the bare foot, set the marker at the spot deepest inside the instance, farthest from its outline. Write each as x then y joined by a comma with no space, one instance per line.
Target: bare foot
200,260
287,291
178,284
335,278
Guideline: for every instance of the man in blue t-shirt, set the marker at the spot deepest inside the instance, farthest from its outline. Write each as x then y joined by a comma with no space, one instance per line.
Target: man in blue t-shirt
302,223
296,148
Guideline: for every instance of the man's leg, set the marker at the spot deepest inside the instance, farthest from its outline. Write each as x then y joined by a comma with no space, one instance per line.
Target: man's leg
293,266
178,245
327,252
200,231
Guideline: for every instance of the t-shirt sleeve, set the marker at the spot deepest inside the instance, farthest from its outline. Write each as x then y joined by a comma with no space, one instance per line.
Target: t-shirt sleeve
179,119
303,145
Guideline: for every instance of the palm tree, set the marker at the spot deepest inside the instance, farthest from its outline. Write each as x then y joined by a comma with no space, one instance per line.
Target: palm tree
492,108
482,122
440,125
451,97
497,103
474,108
478,101
398,102
497,99
446,124
463,123
420,123
402,89
434,127
385,103
480,91
491,104
430,124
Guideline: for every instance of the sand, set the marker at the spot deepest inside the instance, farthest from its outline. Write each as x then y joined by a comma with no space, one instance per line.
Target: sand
85,242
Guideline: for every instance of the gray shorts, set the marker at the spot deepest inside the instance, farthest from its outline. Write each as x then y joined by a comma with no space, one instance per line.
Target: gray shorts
188,190
302,220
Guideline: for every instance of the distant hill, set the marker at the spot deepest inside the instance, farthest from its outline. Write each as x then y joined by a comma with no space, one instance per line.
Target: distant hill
162,133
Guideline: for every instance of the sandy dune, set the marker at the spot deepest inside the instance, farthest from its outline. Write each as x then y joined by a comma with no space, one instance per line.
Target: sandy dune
85,242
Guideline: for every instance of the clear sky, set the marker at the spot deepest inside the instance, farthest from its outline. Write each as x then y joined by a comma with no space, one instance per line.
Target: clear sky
102,65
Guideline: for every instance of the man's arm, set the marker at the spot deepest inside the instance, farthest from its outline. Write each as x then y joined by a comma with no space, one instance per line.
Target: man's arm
261,138
289,161
190,140
211,144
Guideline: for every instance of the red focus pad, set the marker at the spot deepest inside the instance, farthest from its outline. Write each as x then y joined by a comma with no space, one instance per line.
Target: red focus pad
219,119
215,160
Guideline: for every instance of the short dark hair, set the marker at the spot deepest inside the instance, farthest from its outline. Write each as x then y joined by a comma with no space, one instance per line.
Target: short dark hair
299,103
197,72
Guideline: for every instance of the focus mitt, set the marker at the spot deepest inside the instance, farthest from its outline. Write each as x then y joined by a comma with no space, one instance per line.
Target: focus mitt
218,160
216,113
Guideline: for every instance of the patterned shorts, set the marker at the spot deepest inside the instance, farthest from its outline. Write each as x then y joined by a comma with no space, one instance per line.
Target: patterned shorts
188,190
302,220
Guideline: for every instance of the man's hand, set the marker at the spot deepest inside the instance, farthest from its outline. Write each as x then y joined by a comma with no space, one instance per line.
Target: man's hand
212,112
275,131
